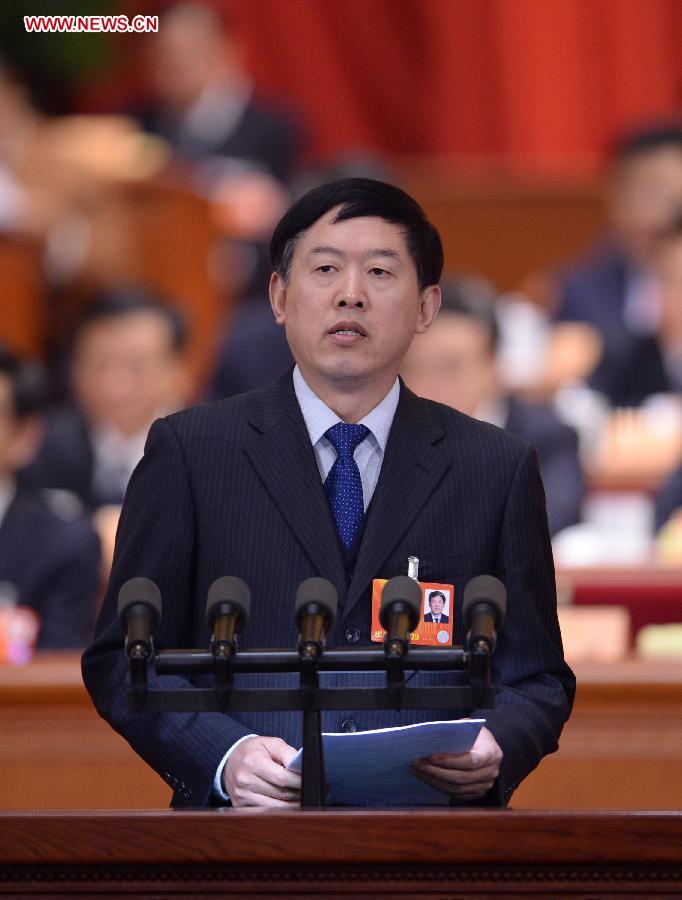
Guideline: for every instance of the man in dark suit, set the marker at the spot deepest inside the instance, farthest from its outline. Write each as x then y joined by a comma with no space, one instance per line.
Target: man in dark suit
436,604
612,287
126,369
49,552
337,470
455,362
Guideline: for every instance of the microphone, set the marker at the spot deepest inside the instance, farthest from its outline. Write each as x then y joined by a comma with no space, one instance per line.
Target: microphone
484,606
316,603
139,612
401,602
227,612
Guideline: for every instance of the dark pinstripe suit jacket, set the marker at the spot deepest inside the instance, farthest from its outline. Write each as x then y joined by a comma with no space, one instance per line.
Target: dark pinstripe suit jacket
234,488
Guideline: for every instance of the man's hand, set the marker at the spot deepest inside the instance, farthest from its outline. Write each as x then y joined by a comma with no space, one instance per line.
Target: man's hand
256,775
466,776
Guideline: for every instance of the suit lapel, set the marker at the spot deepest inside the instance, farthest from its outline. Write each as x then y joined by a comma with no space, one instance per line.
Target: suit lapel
281,453
414,464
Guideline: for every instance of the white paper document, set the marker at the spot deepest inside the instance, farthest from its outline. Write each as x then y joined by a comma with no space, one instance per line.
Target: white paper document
372,768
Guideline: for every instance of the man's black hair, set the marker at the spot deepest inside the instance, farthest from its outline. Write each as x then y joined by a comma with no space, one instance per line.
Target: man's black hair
359,197
27,381
471,298
646,140
125,301
438,594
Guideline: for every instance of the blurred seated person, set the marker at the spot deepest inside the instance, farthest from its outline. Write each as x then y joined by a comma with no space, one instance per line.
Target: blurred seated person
32,185
667,268
205,105
127,369
49,552
242,150
613,288
455,363
254,352
641,446
16,121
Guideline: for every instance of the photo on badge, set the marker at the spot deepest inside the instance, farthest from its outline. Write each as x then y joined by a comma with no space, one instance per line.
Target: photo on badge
435,626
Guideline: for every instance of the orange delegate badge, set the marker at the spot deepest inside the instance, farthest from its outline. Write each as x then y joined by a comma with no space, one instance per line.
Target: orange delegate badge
434,628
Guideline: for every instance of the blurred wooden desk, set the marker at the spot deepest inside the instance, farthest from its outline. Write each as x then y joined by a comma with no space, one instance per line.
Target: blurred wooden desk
621,749
454,854
652,594
24,314
55,751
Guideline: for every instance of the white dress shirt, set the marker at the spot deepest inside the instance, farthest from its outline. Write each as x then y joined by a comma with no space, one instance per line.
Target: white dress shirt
116,456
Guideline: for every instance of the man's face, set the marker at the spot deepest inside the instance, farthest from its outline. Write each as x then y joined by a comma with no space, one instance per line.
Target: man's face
436,603
646,195
453,363
125,371
185,58
352,303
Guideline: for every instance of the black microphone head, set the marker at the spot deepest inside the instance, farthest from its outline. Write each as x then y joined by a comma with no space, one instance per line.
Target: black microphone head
485,589
401,589
138,590
228,589
320,591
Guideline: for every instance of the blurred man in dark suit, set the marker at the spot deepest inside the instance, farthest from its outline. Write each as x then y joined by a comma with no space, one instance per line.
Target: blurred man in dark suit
49,552
127,369
455,363
204,99
613,288
337,470
240,151
667,270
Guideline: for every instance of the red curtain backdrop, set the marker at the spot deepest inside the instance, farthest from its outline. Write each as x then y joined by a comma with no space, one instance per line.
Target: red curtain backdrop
531,83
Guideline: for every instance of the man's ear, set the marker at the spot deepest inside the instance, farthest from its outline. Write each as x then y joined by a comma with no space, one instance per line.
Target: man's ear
429,304
278,297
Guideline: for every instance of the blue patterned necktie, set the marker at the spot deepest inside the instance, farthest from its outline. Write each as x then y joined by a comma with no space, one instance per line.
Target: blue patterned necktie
343,486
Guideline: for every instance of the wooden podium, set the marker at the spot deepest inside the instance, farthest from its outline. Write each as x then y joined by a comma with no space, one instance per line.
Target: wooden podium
444,853
620,748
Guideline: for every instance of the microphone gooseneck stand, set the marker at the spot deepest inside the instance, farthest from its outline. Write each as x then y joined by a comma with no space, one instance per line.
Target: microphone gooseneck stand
309,698
227,611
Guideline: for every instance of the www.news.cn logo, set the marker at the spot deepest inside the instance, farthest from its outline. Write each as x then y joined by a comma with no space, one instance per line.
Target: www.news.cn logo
92,24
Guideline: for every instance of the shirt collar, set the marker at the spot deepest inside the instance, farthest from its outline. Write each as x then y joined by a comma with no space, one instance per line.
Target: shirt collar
109,441
215,113
495,412
319,417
